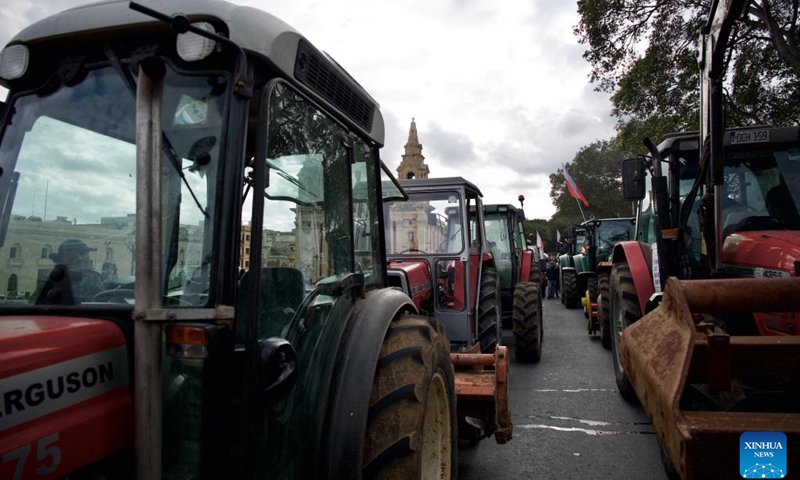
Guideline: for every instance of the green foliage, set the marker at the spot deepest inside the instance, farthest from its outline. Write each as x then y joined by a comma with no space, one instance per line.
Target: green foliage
645,54
596,170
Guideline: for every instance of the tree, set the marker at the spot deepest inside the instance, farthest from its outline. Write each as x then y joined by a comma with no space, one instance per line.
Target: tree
645,53
596,170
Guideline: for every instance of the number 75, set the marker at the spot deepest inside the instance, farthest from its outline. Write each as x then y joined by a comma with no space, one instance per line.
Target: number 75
44,449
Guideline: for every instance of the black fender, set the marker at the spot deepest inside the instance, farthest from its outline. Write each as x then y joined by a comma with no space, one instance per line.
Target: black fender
351,385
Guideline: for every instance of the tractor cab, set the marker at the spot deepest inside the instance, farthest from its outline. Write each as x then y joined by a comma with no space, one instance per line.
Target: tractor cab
194,258
437,250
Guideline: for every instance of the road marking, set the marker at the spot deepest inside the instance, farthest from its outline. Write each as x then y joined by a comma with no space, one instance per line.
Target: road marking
574,390
587,431
592,423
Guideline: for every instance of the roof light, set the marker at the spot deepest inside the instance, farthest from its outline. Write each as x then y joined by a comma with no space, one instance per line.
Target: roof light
13,62
192,47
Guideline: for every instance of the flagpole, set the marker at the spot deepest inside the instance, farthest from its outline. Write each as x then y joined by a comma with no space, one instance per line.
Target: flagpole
581,209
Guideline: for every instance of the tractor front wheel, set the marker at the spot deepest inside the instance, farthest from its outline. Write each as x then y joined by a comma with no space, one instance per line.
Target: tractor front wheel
624,312
527,320
489,311
411,429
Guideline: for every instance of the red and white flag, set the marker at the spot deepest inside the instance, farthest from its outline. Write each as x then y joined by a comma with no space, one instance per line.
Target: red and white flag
539,242
573,188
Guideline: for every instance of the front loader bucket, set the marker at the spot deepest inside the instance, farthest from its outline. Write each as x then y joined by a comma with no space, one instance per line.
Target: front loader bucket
702,388
481,381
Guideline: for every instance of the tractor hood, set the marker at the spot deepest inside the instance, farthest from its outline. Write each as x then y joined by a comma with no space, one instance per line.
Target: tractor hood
413,276
64,381
767,253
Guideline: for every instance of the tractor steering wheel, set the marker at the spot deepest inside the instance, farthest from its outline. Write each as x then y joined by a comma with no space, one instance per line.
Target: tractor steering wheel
414,250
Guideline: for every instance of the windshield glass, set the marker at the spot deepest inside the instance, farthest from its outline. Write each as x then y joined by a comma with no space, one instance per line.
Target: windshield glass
611,232
761,190
426,223
497,239
68,185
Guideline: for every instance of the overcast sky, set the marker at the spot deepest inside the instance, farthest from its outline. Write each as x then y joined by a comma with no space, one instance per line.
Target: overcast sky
499,89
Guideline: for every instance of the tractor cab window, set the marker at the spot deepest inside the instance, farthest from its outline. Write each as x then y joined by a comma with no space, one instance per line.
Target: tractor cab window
429,222
475,238
611,232
497,239
68,188
366,232
308,231
761,190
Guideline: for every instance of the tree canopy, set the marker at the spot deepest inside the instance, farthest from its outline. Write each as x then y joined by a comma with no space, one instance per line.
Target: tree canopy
645,53
596,171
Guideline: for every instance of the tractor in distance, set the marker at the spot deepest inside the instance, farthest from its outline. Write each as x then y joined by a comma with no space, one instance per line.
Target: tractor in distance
569,265
208,273
715,356
520,278
437,253
593,280
586,246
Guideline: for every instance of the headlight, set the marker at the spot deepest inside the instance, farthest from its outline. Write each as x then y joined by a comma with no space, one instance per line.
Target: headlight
192,47
13,62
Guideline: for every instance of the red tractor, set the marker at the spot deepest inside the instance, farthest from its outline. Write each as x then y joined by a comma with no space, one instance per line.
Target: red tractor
520,278
715,274
205,264
438,254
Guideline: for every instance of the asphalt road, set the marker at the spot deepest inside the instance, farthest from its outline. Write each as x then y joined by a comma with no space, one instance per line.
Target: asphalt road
569,420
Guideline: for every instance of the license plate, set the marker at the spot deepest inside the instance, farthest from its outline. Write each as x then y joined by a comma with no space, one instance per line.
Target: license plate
749,136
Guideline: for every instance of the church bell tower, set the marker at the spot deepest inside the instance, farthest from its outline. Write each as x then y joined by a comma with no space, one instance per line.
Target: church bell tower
413,163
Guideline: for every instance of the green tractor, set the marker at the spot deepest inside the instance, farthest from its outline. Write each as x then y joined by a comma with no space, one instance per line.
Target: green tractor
520,278
602,235
570,264
585,268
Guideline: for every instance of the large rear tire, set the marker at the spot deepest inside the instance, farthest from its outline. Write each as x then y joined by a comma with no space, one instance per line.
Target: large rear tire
489,311
624,312
603,310
528,330
411,427
569,289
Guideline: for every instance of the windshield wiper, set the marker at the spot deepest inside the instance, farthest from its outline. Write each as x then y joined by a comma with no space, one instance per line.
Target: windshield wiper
166,145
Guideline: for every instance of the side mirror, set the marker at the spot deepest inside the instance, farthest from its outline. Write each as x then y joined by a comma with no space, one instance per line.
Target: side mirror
277,368
633,173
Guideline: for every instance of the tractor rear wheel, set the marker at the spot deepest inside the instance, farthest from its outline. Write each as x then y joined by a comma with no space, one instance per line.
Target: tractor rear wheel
624,312
569,289
411,426
528,330
489,311
603,310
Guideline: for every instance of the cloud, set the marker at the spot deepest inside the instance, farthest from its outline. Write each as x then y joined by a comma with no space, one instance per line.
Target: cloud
499,90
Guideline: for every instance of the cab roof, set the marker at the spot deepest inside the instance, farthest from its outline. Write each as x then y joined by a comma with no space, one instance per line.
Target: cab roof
440,183
257,32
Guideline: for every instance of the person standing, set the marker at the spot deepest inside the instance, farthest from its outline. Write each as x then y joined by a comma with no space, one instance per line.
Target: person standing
552,280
